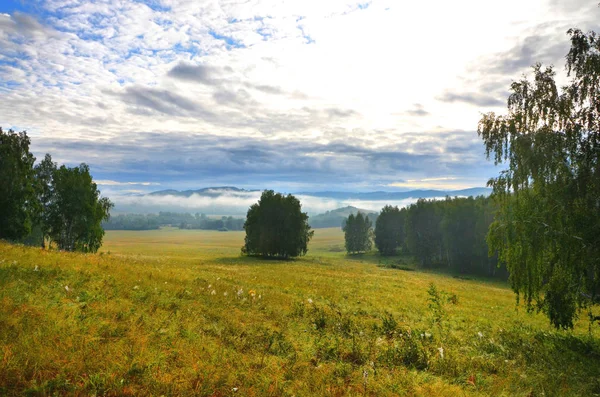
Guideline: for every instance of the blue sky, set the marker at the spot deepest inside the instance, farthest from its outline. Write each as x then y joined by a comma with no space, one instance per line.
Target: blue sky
295,96
10,6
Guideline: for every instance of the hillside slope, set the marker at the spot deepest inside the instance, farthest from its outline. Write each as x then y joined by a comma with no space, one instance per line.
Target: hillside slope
172,312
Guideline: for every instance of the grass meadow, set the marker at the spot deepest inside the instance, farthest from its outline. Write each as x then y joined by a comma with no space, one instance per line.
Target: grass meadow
180,312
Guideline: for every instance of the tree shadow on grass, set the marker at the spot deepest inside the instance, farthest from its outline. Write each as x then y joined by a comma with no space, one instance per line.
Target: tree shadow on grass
253,260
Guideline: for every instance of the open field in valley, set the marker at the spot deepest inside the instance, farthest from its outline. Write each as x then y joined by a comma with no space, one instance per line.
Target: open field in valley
180,312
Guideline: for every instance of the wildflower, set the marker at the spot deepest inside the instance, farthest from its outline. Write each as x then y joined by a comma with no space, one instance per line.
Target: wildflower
259,296
471,380
310,301
480,334
441,350
225,293
213,292
252,293
240,292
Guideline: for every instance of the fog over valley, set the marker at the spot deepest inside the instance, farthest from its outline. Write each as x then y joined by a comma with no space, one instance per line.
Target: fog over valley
234,201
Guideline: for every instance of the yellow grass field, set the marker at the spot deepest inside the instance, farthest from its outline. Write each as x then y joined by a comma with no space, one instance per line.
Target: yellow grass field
180,312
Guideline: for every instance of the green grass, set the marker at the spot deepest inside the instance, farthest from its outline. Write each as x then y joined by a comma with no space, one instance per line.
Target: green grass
180,312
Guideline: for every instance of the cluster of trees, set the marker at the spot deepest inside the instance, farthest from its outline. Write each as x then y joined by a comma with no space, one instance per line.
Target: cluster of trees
276,227
180,220
452,234
48,203
447,234
358,231
389,230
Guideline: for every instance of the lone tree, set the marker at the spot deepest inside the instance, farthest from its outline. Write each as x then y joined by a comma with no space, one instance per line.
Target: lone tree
389,230
17,194
547,229
276,227
357,233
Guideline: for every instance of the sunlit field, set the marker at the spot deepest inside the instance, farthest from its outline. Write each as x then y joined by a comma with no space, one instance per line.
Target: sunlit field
180,312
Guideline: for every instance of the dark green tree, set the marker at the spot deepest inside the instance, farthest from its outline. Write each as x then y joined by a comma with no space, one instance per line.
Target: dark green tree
17,194
458,233
547,229
357,233
423,234
277,227
389,230
76,210
44,188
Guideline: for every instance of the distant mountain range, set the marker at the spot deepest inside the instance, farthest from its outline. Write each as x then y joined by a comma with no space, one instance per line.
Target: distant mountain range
207,192
230,200
379,195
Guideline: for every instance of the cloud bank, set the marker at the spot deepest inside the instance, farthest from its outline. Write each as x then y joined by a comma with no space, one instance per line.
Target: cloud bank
238,203
278,94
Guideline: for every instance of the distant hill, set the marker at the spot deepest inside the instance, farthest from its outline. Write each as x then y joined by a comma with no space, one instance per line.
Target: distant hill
206,192
335,218
378,195
230,200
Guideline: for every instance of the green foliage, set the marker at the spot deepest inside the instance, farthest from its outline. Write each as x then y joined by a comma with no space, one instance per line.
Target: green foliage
547,229
277,227
389,230
436,304
76,210
357,233
17,195
451,234
423,233
46,202
44,186
181,220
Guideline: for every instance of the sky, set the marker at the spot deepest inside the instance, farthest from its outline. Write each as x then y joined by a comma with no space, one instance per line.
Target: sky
291,95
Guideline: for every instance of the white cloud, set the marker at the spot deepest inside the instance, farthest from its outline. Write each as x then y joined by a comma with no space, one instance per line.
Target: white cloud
115,183
237,203
287,71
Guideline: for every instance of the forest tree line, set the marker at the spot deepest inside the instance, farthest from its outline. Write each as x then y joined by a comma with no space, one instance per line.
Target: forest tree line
174,219
449,234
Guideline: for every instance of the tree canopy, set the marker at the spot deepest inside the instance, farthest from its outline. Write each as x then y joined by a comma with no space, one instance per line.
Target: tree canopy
36,203
17,195
451,234
357,233
547,229
76,210
389,230
277,227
